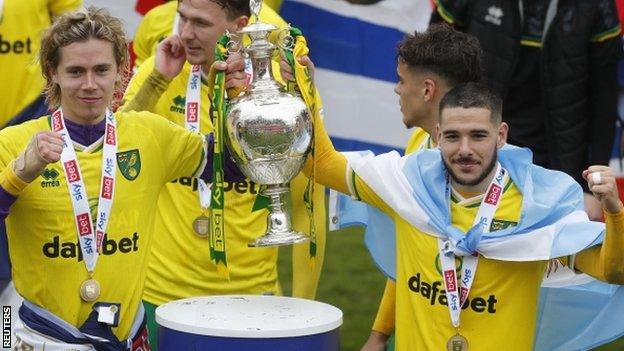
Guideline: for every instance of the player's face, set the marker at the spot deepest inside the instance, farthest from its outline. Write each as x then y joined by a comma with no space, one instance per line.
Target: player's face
409,90
86,74
202,22
469,141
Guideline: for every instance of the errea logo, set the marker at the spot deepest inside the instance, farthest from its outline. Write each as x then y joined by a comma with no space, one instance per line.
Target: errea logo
50,178
494,15
177,104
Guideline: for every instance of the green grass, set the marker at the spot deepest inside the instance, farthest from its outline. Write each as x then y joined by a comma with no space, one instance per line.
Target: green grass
352,282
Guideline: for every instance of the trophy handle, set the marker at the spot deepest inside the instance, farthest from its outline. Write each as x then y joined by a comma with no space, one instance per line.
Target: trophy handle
235,45
285,40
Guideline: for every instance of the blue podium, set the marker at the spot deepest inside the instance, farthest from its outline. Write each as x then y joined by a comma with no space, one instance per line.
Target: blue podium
248,323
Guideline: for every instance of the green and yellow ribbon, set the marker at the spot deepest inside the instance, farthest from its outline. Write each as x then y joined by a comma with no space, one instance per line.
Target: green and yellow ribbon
217,202
306,88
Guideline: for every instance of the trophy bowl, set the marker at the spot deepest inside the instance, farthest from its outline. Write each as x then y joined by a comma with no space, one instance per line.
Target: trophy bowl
268,133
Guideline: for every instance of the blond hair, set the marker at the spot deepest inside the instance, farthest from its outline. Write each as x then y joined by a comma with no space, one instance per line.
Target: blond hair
80,26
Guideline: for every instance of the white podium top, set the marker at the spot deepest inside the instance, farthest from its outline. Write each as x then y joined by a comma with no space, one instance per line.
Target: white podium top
249,316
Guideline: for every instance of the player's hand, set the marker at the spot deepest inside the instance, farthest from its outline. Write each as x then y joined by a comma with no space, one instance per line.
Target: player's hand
44,148
601,181
287,72
376,342
170,57
236,79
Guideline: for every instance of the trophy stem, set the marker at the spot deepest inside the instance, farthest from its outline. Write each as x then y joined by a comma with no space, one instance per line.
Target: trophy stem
279,226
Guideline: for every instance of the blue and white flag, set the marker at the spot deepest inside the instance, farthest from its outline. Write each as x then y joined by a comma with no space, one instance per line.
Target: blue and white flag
553,222
354,50
576,311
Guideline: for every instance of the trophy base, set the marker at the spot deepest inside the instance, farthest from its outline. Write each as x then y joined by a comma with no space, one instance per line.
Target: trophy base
279,239
279,225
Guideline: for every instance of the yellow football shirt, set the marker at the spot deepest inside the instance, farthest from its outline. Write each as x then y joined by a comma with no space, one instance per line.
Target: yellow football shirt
21,26
502,293
385,321
48,266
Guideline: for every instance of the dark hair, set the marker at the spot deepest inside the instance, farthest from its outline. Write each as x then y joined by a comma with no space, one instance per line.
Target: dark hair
233,8
452,55
474,95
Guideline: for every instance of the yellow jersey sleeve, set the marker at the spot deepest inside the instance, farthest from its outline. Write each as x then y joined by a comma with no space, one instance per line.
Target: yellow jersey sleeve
384,322
366,194
156,25
603,261
58,7
137,80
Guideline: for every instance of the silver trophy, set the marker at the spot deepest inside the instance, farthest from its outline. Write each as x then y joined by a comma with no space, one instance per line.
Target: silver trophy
268,132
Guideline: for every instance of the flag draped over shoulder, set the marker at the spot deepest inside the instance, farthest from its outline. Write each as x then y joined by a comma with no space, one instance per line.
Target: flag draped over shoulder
576,311
553,222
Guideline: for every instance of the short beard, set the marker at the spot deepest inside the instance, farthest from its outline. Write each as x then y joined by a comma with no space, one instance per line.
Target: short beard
479,179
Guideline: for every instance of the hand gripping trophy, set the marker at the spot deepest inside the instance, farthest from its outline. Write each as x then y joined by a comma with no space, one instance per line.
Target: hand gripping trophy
268,132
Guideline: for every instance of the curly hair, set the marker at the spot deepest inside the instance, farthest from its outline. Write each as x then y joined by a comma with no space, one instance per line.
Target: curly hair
233,8
80,26
452,55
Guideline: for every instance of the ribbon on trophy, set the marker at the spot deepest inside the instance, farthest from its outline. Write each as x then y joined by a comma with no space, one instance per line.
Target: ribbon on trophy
306,88
217,228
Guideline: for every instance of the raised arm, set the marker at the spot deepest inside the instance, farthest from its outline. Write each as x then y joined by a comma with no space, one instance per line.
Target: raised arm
329,165
606,261
43,149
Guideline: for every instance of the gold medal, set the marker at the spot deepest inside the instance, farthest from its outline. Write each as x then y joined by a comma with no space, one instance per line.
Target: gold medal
457,343
89,290
201,226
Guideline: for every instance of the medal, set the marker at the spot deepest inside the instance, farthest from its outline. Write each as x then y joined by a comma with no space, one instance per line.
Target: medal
201,226
90,233
458,289
192,121
457,343
89,290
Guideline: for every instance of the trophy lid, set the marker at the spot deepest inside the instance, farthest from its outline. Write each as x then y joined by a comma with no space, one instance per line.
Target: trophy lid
258,27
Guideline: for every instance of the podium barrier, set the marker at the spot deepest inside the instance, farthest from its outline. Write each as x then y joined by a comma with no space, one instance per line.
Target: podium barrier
248,323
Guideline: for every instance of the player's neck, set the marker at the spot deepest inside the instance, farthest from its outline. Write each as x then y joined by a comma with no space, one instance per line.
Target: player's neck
83,120
474,190
466,194
429,126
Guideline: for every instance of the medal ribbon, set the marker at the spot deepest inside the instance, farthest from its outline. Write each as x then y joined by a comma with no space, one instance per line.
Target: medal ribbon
192,122
90,237
217,227
457,292
308,92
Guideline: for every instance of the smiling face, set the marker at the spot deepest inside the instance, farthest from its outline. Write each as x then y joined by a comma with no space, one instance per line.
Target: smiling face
86,74
469,141
202,22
